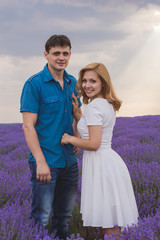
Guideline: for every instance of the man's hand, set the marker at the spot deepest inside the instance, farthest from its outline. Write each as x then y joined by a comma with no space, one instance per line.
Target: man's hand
43,172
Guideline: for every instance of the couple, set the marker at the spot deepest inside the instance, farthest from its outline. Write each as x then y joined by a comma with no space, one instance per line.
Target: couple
50,107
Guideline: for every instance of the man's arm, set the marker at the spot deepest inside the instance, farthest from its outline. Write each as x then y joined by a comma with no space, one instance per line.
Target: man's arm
43,170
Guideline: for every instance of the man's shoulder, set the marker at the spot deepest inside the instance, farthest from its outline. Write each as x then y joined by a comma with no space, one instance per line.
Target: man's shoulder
36,77
72,78
32,78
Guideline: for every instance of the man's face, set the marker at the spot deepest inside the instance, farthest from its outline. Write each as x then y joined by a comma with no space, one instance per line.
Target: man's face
58,57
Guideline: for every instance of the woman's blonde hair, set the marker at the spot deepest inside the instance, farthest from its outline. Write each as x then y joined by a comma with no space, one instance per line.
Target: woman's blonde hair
107,87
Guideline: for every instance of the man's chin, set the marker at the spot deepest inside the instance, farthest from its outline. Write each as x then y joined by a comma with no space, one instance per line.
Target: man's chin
60,69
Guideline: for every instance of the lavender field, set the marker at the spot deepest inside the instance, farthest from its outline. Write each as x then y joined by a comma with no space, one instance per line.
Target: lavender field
136,139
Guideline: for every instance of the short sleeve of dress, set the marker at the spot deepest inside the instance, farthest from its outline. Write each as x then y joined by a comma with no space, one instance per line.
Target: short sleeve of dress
93,114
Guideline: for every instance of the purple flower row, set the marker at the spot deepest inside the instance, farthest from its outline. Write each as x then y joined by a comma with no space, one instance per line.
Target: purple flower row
136,139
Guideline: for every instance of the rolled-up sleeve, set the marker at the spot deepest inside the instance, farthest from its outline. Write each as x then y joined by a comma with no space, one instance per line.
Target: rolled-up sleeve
29,101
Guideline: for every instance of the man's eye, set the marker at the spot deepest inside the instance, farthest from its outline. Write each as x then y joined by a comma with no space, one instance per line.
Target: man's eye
56,53
65,53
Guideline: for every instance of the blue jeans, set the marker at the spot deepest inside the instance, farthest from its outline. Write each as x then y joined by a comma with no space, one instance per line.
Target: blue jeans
57,196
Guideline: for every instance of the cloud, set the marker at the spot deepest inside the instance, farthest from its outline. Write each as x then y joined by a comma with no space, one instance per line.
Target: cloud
144,19
14,72
79,60
138,84
25,27
122,7
124,35
99,6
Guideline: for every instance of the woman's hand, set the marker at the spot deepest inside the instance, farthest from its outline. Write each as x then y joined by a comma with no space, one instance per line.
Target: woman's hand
65,139
75,103
76,110
75,149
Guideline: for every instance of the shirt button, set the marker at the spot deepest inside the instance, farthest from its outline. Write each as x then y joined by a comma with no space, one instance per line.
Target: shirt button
65,110
51,100
65,123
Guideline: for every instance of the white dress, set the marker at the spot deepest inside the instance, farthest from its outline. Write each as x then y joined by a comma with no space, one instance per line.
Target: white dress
107,197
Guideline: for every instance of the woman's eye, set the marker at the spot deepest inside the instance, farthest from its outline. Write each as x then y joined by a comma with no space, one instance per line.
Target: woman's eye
93,81
83,81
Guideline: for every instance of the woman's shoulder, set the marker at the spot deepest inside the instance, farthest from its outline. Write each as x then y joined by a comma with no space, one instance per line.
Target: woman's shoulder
97,105
102,106
101,103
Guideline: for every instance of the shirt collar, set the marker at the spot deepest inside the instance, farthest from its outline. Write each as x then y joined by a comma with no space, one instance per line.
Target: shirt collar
48,76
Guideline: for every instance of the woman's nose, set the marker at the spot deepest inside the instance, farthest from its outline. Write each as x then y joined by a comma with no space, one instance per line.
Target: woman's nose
87,84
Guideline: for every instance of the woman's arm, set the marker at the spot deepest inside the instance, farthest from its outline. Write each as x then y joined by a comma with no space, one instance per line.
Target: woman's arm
92,143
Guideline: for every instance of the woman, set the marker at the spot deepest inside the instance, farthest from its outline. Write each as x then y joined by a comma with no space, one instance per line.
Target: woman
107,197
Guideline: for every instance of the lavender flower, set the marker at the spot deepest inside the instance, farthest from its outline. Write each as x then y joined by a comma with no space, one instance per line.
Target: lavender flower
136,139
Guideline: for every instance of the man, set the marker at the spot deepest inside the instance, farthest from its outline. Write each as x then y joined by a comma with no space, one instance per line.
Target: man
46,106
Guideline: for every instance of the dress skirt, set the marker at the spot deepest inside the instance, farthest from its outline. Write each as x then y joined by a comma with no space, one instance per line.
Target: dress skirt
107,197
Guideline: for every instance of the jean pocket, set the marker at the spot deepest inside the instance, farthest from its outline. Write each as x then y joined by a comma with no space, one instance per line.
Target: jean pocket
32,166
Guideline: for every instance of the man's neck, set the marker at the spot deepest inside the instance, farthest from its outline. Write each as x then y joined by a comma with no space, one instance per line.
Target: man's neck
57,75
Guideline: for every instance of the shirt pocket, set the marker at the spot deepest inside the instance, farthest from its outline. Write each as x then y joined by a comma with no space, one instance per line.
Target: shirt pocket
53,103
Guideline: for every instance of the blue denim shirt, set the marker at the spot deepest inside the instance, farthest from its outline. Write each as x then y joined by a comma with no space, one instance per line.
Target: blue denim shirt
43,95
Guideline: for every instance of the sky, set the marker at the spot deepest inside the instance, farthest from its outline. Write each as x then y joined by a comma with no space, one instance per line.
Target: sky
124,35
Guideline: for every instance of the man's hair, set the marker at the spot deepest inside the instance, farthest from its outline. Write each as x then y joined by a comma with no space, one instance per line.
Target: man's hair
57,40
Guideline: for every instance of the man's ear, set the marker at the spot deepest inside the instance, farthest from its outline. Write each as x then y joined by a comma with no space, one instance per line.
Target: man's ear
46,55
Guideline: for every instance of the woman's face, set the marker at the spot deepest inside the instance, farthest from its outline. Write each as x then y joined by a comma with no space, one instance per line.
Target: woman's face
92,85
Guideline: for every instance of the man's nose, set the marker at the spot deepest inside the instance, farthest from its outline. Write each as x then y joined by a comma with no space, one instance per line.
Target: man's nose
61,56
